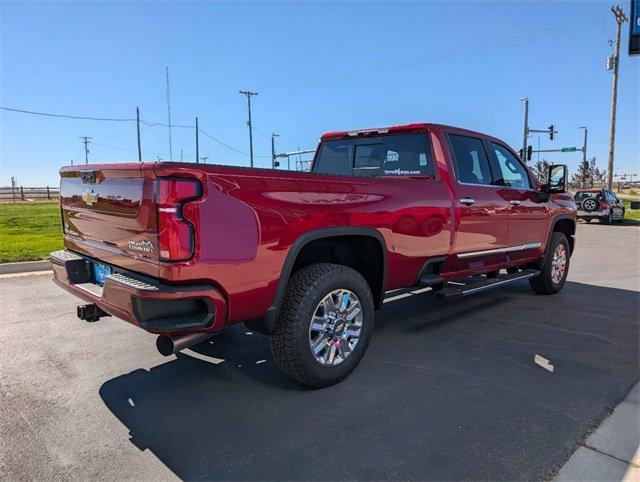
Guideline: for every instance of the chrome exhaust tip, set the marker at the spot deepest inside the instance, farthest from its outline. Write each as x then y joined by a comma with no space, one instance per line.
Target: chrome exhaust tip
167,345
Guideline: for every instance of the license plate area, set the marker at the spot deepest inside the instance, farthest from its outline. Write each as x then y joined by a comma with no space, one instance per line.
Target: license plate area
100,272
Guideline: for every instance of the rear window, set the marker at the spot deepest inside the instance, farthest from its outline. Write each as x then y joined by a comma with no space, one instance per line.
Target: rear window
582,195
396,155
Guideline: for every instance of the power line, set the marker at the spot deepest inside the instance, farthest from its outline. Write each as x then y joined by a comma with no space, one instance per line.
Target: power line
110,119
222,143
143,121
506,40
148,125
228,146
105,119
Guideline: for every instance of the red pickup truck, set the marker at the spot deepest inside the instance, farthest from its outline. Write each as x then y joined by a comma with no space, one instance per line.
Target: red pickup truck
184,250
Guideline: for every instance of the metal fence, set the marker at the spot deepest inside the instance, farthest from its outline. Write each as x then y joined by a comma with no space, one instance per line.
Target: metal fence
24,193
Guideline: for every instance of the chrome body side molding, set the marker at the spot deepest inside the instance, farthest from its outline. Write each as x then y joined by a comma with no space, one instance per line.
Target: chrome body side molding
508,249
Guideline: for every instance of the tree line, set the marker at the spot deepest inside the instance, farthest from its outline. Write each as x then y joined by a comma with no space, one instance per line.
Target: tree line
587,175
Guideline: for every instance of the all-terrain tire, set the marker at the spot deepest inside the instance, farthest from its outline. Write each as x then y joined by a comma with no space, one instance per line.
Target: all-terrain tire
544,283
290,341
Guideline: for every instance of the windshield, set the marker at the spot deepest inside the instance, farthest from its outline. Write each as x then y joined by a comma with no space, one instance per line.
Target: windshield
395,155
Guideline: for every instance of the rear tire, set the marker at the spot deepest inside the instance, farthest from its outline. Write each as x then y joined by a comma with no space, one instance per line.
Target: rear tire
554,269
319,357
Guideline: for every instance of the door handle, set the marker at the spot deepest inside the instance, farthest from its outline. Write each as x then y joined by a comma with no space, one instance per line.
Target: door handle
467,201
515,203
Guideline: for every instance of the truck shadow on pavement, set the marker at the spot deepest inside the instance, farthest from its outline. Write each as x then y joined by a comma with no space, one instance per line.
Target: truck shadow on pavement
447,390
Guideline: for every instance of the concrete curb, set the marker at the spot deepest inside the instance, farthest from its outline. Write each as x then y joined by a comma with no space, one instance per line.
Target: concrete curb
24,267
612,451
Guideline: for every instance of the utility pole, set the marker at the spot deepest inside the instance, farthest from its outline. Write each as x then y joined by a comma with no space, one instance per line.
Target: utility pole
249,94
273,150
86,142
620,19
525,133
169,116
584,144
138,127
204,159
197,144
525,154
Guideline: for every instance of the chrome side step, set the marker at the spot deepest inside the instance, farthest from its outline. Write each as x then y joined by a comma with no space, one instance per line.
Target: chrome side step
485,284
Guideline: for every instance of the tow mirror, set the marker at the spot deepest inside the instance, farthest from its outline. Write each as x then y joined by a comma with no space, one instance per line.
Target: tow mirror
557,179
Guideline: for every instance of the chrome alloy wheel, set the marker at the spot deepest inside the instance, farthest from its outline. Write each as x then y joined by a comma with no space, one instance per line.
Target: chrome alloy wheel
558,263
335,327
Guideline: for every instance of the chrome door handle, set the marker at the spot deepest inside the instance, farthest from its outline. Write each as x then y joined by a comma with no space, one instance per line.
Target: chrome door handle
515,203
467,201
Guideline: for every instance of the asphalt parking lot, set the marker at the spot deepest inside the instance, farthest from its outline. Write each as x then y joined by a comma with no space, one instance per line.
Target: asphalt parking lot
448,389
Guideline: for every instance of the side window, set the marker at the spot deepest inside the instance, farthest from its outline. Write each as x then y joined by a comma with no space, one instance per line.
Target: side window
470,160
511,171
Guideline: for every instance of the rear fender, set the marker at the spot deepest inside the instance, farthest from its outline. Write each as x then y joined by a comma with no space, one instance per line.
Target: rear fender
267,324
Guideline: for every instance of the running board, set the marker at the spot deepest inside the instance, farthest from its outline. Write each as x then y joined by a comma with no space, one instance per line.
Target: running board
431,279
486,284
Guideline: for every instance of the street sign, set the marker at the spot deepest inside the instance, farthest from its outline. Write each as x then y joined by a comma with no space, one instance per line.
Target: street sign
569,149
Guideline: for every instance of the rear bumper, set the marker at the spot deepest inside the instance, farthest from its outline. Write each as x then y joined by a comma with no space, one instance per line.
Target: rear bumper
142,301
593,214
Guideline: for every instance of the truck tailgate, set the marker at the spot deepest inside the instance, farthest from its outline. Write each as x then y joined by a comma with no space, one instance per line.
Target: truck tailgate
109,213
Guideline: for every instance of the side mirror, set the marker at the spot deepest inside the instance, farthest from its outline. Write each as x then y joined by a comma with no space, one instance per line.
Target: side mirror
557,177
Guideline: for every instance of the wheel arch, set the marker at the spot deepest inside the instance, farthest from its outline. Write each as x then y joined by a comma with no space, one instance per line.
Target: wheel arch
299,256
565,224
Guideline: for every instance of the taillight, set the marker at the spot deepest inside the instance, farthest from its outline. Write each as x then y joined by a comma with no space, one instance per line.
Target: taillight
175,234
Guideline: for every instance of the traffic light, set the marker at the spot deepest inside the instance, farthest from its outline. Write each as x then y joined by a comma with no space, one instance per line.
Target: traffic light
551,133
529,153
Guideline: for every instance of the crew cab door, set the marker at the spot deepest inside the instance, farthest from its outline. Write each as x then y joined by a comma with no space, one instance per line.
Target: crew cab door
482,211
528,214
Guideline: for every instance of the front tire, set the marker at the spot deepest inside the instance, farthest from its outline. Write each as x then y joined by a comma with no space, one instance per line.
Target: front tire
554,269
325,324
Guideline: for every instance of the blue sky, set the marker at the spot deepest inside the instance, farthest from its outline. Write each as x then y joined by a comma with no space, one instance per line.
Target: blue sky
317,66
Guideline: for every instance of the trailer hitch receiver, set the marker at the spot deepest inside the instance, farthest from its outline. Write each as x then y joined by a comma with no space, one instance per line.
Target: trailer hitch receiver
91,312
